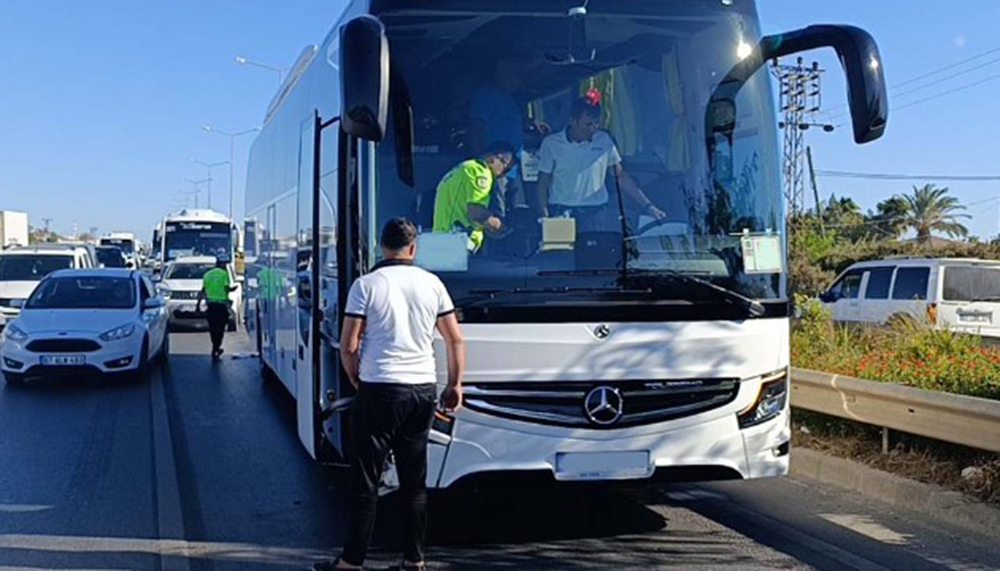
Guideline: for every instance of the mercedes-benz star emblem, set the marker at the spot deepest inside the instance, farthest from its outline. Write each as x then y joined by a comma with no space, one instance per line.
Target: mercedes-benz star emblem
603,405
602,331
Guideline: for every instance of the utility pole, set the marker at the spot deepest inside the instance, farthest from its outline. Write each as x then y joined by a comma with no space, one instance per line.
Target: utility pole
799,102
812,179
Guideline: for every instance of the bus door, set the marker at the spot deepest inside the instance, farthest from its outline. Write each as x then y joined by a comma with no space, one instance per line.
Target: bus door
321,403
306,372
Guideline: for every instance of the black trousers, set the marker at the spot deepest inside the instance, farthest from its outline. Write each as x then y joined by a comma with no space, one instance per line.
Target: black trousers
218,319
397,417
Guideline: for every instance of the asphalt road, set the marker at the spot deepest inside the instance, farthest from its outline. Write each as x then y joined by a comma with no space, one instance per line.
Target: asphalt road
200,468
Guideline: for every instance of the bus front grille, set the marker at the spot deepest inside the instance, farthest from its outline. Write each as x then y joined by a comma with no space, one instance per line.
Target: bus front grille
600,404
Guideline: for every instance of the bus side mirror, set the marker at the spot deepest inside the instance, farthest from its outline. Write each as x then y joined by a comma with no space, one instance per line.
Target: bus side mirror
858,53
364,83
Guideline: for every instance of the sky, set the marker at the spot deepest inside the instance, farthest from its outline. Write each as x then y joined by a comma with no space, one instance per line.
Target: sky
102,103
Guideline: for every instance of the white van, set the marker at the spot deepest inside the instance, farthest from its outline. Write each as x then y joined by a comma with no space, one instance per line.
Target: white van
960,294
22,267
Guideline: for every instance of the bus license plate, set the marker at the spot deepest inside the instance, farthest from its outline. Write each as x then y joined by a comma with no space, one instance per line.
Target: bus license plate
63,360
602,465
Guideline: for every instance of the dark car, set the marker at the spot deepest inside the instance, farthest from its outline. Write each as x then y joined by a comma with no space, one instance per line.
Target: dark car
111,257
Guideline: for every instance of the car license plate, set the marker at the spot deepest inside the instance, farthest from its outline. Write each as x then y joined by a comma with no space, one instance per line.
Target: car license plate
975,317
63,360
603,465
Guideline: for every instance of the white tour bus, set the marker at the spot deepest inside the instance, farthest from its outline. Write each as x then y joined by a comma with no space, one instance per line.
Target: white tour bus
196,232
657,348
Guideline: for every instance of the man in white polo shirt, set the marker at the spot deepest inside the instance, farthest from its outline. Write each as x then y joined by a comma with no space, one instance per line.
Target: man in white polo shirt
386,347
572,166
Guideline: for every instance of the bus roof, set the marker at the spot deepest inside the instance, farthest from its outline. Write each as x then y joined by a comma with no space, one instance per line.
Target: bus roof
196,215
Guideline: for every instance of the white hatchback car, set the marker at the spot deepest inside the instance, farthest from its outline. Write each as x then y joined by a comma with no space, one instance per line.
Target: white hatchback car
959,294
180,283
86,322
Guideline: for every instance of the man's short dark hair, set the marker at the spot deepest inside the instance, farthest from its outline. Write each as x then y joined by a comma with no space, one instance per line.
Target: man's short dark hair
398,233
497,148
585,106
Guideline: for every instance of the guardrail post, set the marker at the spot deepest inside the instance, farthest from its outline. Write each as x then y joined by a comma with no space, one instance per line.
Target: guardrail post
885,440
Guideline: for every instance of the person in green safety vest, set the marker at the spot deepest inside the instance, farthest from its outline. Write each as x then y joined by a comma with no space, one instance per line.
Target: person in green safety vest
463,195
215,288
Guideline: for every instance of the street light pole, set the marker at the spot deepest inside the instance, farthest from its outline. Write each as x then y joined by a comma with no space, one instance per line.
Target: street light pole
232,155
240,60
209,167
197,188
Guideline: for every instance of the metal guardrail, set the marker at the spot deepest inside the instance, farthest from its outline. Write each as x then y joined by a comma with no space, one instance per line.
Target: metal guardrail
969,421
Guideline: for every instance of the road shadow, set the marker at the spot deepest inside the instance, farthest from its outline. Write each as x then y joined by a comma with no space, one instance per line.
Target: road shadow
532,513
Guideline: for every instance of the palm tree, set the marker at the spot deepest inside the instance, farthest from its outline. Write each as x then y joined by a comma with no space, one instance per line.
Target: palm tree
889,218
930,210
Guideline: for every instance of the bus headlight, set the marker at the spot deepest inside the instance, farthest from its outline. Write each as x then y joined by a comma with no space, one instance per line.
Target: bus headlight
770,400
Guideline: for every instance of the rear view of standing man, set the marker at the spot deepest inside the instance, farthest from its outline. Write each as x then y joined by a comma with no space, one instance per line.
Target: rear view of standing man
386,347
215,287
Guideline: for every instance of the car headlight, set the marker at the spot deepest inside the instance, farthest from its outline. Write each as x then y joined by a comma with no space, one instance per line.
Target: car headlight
165,292
770,400
14,333
119,332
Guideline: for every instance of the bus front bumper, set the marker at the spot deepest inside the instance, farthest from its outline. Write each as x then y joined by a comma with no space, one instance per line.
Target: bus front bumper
715,448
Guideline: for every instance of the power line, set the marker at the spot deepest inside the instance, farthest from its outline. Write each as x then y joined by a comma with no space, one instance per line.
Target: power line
935,72
917,177
949,92
947,67
946,78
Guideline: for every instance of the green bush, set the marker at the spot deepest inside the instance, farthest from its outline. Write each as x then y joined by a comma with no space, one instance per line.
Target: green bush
908,352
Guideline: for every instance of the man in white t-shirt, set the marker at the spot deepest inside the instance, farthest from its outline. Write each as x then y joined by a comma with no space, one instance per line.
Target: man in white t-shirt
386,347
572,166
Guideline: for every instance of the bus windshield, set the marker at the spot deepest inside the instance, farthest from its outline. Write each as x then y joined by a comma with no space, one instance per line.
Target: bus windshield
186,239
681,207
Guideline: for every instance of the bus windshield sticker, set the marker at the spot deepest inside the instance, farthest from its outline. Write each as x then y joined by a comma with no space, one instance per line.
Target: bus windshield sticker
762,254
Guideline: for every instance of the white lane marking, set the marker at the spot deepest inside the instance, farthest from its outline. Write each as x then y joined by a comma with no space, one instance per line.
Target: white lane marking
215,551
828,550
693,495
169,516
23,508
868,527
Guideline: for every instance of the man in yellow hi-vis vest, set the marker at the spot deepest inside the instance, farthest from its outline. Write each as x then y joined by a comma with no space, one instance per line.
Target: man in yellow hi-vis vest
215,287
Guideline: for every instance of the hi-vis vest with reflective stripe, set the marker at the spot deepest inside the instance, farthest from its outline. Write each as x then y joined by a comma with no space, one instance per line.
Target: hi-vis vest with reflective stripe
216,284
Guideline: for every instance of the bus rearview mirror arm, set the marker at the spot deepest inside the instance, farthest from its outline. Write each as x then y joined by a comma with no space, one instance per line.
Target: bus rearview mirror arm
866,90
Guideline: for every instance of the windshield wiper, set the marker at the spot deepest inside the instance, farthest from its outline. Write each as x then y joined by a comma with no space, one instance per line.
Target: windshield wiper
988,298
751,306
